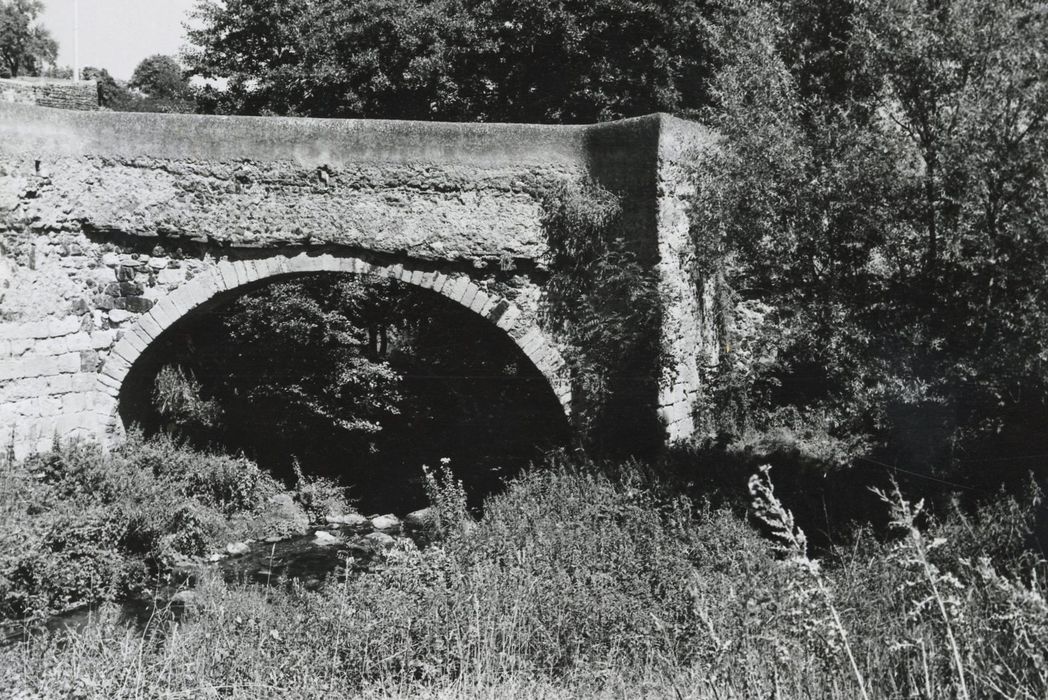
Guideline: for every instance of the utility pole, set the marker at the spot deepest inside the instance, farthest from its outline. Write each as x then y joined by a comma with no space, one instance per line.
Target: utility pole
76,40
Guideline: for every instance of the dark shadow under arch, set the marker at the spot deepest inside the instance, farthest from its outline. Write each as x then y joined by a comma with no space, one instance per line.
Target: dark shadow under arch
485,447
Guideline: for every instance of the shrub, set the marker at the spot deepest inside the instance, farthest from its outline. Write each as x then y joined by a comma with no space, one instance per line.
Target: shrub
177,398
319,495
79,525
228,484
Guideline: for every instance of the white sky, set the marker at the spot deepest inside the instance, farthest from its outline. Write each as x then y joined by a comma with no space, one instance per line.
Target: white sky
117,34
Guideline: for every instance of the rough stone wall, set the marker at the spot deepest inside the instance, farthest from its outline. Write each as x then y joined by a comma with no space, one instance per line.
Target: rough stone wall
114,226
63,94
685,331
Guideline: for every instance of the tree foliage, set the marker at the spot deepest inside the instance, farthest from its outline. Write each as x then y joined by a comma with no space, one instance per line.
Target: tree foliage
490,60
159,77
25,47
884,187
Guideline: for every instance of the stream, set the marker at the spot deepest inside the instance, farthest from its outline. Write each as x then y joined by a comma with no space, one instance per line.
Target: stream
309,559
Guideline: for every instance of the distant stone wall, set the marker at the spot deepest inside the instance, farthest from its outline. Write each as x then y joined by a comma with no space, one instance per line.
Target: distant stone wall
63,94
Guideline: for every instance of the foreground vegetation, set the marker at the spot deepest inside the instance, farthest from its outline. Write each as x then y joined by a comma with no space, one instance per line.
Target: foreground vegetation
80,526
593,580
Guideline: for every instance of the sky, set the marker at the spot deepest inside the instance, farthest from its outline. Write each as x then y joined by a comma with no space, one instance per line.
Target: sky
117,34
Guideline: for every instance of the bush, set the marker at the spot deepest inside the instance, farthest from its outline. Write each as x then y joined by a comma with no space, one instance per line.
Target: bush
228,484
319,495
79,525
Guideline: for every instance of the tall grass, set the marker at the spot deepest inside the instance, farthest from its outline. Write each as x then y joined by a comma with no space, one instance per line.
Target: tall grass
577,583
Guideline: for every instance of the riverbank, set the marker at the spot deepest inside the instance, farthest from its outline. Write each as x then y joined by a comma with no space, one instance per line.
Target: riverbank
580,583
80,526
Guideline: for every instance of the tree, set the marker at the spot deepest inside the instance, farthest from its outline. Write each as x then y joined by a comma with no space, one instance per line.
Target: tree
111,94
160,77
488,60
885,189
25,46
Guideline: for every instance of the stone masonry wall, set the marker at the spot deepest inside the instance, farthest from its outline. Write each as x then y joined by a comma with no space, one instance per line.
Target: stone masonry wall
115,226
63,94
686,333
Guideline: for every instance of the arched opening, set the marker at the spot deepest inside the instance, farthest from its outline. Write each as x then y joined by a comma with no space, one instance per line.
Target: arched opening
432,378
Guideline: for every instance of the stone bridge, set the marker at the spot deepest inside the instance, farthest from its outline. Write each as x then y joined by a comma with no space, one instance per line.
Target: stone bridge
114,226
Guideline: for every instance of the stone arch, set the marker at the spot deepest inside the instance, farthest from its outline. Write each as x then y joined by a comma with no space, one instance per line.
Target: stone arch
228,276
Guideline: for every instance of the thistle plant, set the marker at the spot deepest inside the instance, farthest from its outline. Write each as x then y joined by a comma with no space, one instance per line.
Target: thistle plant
448,497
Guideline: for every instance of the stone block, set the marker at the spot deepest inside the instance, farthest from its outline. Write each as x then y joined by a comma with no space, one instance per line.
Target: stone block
187,298
537,353
123,289
508,320
76,403
467,297
68,363
240,273
119,316
115,369
149,325
279,265
138,305
252,270
327,262
440,280
81,382
302,262
485,310
529,339
135,340
89,361
50,346
79,341
165,313
455,289
126,349
102,338
479,301
227,275
29,367
170,277
108,384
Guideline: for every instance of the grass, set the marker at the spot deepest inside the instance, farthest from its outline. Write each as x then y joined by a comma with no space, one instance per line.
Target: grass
579,582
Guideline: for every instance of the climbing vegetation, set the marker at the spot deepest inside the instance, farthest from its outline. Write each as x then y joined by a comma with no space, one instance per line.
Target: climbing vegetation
601,300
